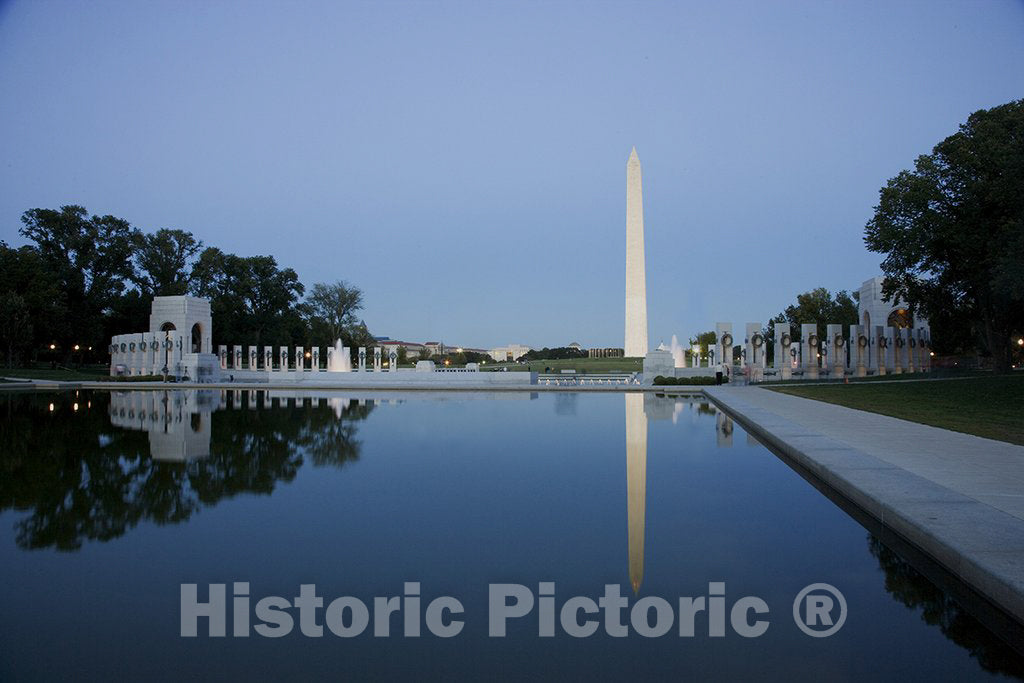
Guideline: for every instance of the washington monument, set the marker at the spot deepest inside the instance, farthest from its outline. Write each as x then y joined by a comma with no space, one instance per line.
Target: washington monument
636,277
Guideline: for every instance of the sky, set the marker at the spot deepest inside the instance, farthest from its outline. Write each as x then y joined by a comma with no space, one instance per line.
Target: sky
464,164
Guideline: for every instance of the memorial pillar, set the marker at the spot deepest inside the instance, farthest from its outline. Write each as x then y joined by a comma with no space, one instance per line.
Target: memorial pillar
837,350
859,351
783,347
809,349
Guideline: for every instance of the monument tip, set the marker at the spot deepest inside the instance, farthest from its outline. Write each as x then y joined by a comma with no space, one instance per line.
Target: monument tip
633,156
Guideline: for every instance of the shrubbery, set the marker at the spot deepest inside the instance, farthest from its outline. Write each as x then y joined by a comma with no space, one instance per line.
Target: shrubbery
661,380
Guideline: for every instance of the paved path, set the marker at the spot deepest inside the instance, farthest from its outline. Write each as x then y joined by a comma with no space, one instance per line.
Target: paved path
958,497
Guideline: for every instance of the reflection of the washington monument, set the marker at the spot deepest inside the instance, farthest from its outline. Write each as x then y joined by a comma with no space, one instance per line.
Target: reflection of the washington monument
640,408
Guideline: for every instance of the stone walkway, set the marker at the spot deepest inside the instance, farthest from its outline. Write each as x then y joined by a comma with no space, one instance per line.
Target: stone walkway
959,498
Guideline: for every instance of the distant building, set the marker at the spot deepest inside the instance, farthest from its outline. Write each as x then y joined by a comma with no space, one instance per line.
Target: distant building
605,353
510,352
576,345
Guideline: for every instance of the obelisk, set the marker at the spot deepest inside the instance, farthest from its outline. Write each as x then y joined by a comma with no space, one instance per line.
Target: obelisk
636,271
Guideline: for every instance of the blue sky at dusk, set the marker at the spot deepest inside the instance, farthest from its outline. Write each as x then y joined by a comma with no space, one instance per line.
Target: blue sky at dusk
464,163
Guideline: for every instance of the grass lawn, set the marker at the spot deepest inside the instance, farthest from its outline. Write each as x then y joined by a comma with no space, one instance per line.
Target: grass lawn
991,406
580,365
87,372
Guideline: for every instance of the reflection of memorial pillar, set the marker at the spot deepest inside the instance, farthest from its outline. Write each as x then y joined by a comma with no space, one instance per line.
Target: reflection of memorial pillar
376,359
811,346
282,353
723,430
837,350
636,485
362,359
222,353
268,358
300,359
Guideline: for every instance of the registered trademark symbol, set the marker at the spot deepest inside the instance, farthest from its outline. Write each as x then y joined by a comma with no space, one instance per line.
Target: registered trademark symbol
815,610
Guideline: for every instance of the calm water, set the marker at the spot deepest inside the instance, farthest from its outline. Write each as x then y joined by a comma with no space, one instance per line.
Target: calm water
108,503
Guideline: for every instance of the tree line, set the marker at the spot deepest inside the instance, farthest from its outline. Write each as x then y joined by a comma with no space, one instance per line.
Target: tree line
85,278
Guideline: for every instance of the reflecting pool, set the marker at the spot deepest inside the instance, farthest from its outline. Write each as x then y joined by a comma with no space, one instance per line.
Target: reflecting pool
111,502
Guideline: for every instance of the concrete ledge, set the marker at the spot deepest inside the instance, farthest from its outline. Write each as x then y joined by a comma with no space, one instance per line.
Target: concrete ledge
980,545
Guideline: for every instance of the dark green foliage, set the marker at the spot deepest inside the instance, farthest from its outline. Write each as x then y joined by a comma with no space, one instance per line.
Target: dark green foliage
558,353
703,380
952,231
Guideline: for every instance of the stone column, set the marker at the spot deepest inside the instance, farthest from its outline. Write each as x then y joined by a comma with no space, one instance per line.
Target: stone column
362,359
254,356
222,354
754,340
897,345
393,359
783,345
268,358
300,359
282,354
837,350
881,350
926,351
811,345
316,359
376,359
236,356
723,343
859,350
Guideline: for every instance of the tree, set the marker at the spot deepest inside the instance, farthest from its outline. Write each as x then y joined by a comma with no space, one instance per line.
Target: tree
705,340
818,306
952,230
163,261
90,258
38,314
335,305
251,299
15,326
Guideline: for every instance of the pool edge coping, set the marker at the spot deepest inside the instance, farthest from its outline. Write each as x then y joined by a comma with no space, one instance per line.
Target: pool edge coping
995,573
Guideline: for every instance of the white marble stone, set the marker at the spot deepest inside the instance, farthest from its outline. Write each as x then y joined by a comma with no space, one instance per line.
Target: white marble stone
636,278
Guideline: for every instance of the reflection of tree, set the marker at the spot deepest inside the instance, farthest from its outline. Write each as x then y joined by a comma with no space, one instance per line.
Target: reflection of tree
908,586
82,479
